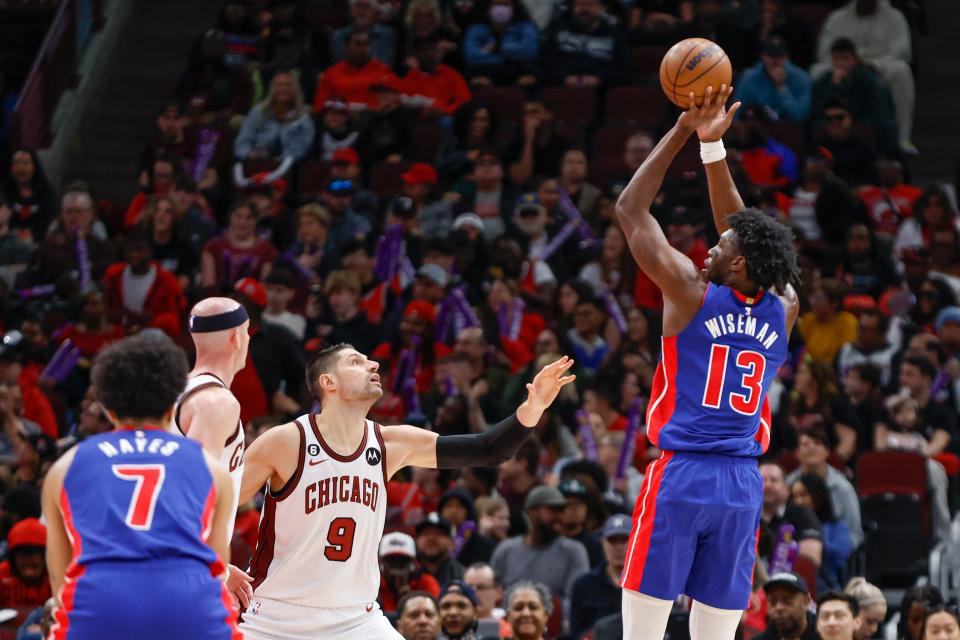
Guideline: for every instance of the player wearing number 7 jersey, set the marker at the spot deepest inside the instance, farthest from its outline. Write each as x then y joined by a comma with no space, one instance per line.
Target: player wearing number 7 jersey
315,569
725,333
136,518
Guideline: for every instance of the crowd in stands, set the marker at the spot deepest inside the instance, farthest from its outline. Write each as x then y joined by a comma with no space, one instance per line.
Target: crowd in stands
433,183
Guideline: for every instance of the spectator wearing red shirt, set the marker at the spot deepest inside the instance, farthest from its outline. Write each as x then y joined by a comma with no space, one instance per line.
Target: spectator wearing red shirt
35,405
93,331
890,200
237,253
400,571
681,232
438,87
23,576
352,78
141,293
418,320
159,180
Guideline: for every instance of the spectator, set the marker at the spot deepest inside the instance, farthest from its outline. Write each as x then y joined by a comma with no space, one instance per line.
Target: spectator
776,83
15,251
810,491
587,346
853,159
387,132
636,149
916,377
862,384
934,210
345,165
140,293
279,128
866,268
33,404
24,584
882,37
192,213
169,139
400,571
92,331
363,19
501,47
237,253
434,544
873,607
941,622
597,594
484,582
168,246
870,347
158,179
796,32
346,322
655,22
352,78
469,546
767,162
458,611
788,604
308,253
529,606
778,511
439,88
681,228
538,148
579,519
418,321
433,214
491,198
916,603
585,48
812,453
585,196
281,286
838,616
336,130
711,21
417,616
906,431
29,194
856,84
345,223
474,126
542,554
266,197
615,269
494,517
826,327
423,19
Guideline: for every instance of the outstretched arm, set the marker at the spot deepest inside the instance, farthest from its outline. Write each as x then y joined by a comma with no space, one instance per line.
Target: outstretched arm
714,121
409,446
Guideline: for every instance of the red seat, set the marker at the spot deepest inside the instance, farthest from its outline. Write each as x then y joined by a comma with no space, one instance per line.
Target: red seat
896,472
555,621
327,15
313,175
814,14
573,104
385,178
808,570
645,61
642,105
507,102
427,136
787,133
259,165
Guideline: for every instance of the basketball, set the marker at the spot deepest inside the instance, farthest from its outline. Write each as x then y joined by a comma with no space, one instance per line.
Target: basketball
693,65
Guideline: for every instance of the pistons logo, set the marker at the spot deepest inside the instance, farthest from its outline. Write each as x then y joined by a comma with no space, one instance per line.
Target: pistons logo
313,449
373,457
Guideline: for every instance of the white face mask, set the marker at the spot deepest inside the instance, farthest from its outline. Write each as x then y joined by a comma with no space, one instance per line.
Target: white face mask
501,14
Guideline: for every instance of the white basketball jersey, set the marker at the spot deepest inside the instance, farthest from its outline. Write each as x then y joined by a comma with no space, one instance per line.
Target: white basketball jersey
232,454
319,534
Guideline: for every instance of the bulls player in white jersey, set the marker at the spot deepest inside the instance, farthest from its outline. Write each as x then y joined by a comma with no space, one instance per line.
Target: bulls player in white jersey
207,411
315,569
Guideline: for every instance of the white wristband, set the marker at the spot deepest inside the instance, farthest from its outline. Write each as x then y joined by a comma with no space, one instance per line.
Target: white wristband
712,151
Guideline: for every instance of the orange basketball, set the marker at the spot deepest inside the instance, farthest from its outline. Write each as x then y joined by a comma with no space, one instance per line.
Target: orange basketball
693,65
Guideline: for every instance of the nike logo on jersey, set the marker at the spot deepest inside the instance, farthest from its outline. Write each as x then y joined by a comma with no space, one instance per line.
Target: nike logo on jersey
314,463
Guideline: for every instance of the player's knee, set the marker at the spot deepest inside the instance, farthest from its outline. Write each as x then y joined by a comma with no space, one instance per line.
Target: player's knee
705,608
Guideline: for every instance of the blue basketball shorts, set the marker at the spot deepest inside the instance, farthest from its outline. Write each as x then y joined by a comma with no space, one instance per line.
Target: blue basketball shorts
695,528
152,600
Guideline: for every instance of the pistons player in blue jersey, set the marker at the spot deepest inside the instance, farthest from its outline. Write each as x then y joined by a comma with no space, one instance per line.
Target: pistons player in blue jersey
137,517
725,333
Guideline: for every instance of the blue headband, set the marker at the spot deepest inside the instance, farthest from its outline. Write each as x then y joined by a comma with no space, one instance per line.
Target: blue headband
218,322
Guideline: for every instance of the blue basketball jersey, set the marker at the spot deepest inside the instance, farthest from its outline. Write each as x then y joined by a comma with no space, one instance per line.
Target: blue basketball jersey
710,388
139,495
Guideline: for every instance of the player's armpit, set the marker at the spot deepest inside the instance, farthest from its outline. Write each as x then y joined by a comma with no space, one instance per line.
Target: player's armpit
273,458
58,552
218,411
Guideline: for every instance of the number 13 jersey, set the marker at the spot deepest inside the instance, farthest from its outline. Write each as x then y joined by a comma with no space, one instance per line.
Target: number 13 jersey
319,534
710,388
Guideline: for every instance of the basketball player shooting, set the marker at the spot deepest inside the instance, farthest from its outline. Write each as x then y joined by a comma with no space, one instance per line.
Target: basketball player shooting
725,333
315,568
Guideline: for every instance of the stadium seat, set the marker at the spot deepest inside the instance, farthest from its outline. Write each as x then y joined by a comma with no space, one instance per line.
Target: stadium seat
427,138
574,131
645,62
606,163
641,105
313,173
555,622
814,14
897,472
507,102
385,178
808,570
573,104
327,15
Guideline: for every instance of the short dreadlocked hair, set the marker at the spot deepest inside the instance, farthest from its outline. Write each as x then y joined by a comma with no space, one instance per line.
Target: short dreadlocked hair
767,246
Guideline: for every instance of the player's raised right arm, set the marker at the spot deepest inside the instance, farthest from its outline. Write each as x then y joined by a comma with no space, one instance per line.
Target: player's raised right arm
724,197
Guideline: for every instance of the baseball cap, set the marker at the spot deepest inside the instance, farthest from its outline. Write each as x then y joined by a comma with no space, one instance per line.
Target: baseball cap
420,173
461,587
616,525
948,314
544,496
420,308
573,488
348,155
398,544
528,204
11,346
435,273
29,532
468,220
436,521
252,288
774,46
787,579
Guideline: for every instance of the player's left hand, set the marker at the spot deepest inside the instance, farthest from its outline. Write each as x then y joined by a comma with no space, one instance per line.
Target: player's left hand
544,389
238,584
711,119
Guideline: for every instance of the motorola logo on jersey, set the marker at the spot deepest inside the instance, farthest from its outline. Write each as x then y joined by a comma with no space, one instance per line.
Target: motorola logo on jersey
373,457
313,449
